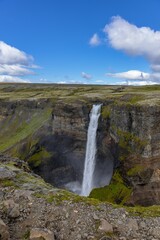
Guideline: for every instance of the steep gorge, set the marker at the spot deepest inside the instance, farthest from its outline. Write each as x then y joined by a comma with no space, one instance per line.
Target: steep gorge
50,133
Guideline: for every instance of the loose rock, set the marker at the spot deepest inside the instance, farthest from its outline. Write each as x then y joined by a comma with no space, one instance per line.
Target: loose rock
4,234
38,234
6,173
105,226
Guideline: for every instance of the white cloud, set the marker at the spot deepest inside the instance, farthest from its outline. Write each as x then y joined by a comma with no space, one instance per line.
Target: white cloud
14,70
14,63
95,40
136,83
130,75
138,41
137,77
12,55
6,78
86,75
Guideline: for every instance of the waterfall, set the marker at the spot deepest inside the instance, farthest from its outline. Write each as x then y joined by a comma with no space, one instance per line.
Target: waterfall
87,183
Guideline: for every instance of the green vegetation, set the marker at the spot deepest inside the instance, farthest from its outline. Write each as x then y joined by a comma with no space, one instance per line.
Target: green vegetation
128,143
57,197
116,192
16,132
135,99
56,91
105,112
7,183
36,159
151,211
62,195
135,170
35,182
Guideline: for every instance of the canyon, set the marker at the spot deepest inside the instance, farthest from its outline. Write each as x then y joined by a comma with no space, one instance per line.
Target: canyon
46,126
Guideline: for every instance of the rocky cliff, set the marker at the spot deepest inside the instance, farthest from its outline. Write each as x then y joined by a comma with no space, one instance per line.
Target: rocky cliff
47,127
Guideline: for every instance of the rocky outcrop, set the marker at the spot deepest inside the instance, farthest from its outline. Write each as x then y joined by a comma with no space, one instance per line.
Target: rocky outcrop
136,129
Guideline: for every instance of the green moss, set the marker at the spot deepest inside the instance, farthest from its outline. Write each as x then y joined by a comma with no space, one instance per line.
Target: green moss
151,211
36,159
129,143
57,197
116,192
7,183
89,201
135,170
36,182
105,113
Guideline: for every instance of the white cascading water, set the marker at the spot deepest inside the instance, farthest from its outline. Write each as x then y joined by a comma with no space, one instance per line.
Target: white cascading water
90,158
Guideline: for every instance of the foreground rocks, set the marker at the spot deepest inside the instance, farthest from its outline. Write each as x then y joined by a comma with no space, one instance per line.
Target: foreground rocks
4,233
32,209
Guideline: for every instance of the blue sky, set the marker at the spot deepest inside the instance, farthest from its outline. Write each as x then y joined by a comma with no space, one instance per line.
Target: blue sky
67,41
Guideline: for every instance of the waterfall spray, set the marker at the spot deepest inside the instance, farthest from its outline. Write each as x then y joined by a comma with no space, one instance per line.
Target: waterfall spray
90,158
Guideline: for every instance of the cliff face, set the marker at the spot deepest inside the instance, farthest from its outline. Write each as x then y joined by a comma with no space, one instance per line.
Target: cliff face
50,133
136,129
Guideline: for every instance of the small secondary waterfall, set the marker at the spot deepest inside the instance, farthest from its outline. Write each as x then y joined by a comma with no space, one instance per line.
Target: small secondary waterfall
87,183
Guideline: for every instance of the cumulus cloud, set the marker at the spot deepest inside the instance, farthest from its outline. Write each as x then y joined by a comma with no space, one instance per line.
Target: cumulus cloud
130,75
136,41
137,77
14,70
136,83
86,75
6,78
14,64
12,55
95,40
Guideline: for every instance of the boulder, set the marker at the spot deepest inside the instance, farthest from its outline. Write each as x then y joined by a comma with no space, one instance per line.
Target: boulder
5,173
105,226
132,224
12,208
39,234
4,233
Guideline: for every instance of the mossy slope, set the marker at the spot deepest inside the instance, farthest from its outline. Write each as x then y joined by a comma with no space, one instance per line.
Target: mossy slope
117,192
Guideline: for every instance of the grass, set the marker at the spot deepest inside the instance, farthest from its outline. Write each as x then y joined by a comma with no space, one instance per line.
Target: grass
17,134
151,211
56,91
105,112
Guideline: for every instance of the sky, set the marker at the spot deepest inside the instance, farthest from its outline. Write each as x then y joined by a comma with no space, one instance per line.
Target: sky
80,41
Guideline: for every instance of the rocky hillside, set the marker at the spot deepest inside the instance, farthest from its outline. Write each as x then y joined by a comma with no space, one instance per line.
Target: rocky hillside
32,209
46,125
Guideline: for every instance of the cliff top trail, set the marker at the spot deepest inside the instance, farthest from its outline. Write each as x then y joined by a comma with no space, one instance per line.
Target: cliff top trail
142,95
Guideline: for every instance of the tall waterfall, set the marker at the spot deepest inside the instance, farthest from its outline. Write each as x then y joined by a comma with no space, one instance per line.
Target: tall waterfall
87,183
